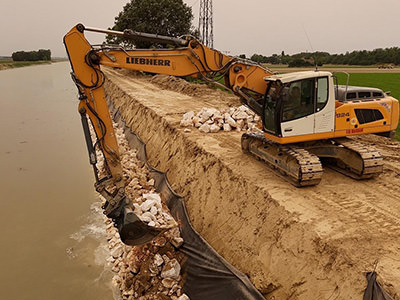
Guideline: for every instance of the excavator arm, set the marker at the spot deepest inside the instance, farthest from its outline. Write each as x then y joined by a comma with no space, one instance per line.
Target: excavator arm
188,58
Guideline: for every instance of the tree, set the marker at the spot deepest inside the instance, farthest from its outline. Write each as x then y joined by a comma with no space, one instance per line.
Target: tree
164,17
42,54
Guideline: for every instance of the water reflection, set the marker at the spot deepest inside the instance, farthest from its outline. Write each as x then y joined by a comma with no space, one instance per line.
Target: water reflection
51,238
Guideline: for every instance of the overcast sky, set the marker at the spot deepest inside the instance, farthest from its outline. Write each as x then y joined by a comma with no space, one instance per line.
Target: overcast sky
240,26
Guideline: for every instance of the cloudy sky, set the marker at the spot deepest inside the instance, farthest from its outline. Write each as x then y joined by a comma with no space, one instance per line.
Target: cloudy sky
240,26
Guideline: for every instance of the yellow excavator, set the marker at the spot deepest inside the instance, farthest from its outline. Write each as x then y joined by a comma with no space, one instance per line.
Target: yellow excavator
305,115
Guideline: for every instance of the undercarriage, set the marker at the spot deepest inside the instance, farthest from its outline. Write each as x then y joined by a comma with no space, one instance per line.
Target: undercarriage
301,165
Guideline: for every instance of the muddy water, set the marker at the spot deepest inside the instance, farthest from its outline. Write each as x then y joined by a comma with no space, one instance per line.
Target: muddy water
50,230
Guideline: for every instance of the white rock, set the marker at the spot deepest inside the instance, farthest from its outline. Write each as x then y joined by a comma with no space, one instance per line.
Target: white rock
152,199
168,283
188,115
195,120
187,130
153,196
214,128
183,297
242,108
166,216
205,128
177,242
117,251
152,224
137,209
210,112
209,122
240,115
227,127
147,205
165,258
148,216
158,261
217,116
198,124
231,122
240,123
153,210
171,269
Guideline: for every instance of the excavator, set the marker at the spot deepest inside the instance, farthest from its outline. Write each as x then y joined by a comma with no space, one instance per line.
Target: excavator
305,116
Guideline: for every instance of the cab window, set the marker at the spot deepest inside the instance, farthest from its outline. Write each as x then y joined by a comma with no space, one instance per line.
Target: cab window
322,92
298,99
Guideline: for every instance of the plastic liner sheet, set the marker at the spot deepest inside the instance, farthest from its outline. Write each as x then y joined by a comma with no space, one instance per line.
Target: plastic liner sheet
374,291
206,274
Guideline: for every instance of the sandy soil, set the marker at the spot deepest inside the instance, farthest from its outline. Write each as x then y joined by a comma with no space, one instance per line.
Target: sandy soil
309,243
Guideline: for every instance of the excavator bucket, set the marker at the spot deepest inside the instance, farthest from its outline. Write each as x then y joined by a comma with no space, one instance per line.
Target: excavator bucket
133,231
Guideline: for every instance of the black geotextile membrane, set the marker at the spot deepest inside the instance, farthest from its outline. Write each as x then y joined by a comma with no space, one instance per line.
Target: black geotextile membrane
206,274
374,291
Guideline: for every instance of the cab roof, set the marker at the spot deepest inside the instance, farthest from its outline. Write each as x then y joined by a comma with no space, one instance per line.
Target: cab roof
295,76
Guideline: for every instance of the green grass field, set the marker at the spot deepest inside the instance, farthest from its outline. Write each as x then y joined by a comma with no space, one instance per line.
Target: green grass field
384,81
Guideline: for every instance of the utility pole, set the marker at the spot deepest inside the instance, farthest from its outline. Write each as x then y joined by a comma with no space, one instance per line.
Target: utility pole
206,23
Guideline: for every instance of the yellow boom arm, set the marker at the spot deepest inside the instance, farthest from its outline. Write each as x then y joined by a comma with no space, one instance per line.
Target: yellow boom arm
191,58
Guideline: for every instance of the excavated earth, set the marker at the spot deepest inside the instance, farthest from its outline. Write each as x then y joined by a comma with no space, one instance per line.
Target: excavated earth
309,243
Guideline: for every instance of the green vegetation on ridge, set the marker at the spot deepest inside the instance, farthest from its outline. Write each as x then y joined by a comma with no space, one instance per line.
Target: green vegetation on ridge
304,59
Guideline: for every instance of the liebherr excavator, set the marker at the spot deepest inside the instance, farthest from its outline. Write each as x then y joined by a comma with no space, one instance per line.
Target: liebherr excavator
305,116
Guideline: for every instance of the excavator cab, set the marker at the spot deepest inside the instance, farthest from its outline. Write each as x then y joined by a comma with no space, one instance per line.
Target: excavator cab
298,105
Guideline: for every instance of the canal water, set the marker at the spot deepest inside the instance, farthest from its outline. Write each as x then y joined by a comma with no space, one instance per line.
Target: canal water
52,234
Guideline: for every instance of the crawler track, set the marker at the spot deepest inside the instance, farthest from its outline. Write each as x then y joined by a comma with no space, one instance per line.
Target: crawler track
297,165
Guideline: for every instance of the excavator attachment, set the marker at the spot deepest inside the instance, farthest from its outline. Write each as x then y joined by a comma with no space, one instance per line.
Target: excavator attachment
133,231
100,140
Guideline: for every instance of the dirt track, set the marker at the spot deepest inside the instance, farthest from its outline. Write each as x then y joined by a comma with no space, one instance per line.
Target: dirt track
309,243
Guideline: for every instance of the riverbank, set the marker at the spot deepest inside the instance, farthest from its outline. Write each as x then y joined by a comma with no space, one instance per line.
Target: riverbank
10,64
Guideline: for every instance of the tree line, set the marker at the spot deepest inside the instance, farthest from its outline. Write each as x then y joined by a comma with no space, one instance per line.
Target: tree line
362,57
42,54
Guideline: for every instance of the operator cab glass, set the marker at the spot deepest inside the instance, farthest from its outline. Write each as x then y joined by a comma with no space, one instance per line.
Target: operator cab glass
297,99
292,101
270,108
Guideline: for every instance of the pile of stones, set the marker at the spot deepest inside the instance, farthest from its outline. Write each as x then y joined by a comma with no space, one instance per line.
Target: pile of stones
151,271
213,120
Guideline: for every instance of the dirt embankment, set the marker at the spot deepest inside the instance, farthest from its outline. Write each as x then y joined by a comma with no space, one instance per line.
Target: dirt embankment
309,243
